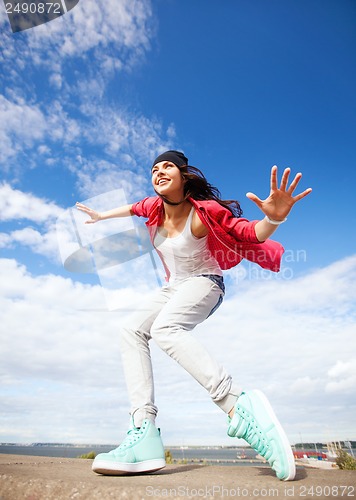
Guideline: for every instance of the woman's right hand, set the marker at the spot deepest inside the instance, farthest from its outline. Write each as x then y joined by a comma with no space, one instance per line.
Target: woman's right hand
94,216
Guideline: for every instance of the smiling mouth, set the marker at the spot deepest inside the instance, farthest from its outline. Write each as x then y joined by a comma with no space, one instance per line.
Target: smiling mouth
162,181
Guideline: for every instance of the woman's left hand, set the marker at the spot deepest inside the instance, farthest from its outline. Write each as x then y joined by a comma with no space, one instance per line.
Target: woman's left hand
280,200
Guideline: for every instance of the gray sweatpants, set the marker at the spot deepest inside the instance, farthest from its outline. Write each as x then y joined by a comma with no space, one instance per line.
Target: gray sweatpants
168,319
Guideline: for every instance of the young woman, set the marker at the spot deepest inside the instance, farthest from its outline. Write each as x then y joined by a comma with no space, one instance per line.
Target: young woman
196,235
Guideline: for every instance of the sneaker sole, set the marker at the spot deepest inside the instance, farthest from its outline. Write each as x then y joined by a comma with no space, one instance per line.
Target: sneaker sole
286,446
114,468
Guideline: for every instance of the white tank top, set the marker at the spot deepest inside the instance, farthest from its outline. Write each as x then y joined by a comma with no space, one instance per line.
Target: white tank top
186,255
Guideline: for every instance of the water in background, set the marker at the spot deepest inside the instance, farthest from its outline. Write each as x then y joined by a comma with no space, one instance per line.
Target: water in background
222,456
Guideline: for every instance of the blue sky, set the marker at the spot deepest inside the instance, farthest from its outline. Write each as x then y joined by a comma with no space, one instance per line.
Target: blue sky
87,101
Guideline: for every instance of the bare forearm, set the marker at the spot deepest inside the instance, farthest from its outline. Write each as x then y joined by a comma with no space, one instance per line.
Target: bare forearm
124,211
264,229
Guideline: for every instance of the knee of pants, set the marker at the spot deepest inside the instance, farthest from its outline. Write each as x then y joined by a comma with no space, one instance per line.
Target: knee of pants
165,337
131,336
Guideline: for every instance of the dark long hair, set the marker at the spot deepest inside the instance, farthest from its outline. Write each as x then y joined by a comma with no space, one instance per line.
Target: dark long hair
197,187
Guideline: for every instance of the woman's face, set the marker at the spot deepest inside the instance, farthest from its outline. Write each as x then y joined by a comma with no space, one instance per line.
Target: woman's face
167,180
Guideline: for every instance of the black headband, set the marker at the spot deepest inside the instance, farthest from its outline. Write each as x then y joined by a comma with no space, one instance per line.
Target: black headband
175,157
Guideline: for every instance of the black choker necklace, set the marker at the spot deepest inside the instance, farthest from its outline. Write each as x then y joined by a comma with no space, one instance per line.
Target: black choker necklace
173,203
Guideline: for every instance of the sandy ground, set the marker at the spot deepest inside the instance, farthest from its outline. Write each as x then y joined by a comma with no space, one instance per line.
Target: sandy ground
40,478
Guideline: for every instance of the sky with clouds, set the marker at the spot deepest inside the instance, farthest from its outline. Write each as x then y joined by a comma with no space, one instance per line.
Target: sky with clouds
86,102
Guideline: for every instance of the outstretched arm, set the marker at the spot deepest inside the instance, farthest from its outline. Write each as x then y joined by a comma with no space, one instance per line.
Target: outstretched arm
278,204
124,211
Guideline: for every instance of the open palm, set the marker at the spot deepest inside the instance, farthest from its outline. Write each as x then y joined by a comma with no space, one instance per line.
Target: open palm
280,200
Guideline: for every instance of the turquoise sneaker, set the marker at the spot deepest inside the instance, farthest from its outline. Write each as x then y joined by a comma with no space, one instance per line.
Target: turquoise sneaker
255,421
141,451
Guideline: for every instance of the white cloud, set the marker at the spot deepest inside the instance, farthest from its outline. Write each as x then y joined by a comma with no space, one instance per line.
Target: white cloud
343,377
5,240
305,386
98,176
43,149
56,335
56,80
129,143
89,30
37,132
119,131
60,126
24,126
113,35
125,142
97,24
21,125
63,348
50,239
283,336
43,243
15,204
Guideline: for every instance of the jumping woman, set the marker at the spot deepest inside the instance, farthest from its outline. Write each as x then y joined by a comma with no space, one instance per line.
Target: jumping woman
197,235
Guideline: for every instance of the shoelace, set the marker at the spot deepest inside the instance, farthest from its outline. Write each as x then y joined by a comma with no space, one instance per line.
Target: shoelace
256,438
132,436
258,442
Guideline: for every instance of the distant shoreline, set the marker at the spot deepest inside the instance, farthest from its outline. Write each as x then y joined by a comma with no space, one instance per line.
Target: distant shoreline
236,455
223,455
301,446
85,445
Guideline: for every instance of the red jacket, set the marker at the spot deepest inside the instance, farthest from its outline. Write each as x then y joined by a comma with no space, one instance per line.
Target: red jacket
230,238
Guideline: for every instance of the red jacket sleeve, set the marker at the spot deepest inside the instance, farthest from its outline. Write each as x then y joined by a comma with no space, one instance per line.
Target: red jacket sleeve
143,208
239,228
